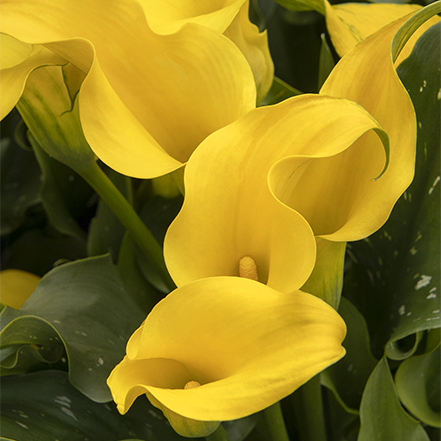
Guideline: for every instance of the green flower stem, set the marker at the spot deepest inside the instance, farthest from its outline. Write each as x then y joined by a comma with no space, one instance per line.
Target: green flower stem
129,218
273,423
308,409
219,435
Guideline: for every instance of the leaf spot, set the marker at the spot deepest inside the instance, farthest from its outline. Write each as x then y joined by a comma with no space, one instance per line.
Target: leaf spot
69,412
419,236
434,184
439,95
420,125
57,322
409,314
100,361
432,318
431,296
64,401
22,425
413,251
437,311
424,281
402,310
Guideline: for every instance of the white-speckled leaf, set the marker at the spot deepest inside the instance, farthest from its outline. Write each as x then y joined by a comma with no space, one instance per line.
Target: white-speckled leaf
83,305
44,406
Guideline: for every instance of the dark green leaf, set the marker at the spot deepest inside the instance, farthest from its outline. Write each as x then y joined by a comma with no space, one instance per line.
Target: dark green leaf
418,385
106,231
381,414
20,184
304,5
63,193
326,62
158,213
144,294
44,406
84,305
348,377
279,92
38,251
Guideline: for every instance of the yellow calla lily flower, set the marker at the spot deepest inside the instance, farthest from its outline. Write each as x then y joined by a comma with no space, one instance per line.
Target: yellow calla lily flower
16,286
230,211
228,17
148,100
313,157
257,346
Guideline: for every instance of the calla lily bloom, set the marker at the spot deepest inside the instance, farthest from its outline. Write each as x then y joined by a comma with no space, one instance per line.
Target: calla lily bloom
228,17
147,100
223,348
16,286
253,187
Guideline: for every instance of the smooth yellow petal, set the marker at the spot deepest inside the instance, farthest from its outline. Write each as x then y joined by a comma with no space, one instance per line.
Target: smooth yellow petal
254,45
18,60
245,343
230,17
148,100
230,211
367,76
168,16
16,286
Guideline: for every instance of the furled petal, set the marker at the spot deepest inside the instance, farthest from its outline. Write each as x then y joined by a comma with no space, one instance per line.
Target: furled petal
229,17
254,45
367,76
16,286
230,211
18,60
245,343
148,100
168,16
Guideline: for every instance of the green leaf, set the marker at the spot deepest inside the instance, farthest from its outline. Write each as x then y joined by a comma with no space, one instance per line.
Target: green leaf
304,5
144,294
44,406
418,384
411,25
105,230
348,377
20,184
63,193
382,417
19,360
279,92
395,276
83,305
326,62
38,251
158,213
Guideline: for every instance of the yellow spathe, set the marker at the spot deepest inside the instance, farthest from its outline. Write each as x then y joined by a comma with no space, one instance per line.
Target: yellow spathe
245,343
148,100
16,286
226,16
236,183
